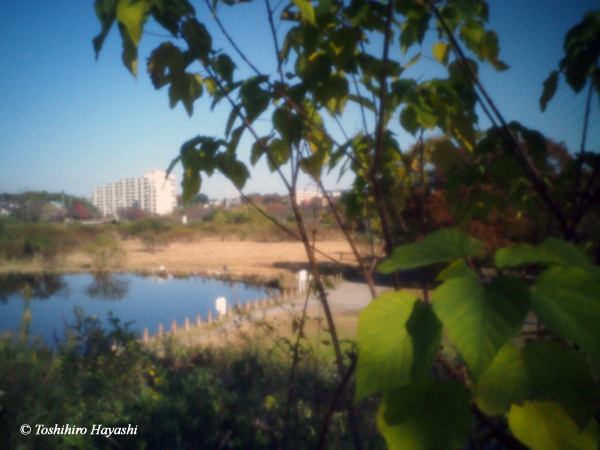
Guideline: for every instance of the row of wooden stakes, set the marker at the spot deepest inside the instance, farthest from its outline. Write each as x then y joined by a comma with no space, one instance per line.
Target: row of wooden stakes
187,324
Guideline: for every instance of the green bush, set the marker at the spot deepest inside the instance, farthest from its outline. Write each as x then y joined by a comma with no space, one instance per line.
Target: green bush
106,253
178,397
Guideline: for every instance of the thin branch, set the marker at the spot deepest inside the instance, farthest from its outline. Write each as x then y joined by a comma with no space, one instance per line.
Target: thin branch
295,358
349,239
333,402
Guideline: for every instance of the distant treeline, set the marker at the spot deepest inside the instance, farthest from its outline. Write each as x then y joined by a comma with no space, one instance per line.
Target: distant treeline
36,206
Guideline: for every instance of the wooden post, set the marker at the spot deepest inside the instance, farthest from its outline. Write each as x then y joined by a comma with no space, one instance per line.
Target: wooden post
255,303
229,310
160,330
209,316
174,326
145,335
247,305
198,320
187,324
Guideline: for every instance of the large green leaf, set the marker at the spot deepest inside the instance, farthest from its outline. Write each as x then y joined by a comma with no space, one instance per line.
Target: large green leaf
425,416
481,319
443,245
551,252
457,269
398,338
505,382
559,373
571,255
524,254
542,370
546,426
567,300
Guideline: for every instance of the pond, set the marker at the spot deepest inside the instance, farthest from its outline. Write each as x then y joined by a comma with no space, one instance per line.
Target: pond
148,301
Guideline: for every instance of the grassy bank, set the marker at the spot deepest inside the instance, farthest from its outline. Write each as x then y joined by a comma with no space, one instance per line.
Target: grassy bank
177,397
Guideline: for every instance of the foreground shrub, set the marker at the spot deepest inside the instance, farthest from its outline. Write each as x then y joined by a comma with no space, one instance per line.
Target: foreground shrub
177,397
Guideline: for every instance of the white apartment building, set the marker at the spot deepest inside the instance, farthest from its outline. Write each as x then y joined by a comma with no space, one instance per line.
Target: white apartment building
152,192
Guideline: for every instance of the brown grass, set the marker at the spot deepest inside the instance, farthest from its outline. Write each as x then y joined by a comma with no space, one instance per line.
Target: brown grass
265,260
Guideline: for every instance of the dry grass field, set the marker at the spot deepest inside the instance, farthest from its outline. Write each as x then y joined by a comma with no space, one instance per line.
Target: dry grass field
208,256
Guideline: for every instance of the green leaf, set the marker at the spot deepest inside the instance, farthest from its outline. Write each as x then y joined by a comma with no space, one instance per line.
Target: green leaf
481,319
457,269
168,13
571,255
279,154
551,252
254,99
197,38
174,162
413,31
258,148
313,165
441,51
165,62
550,86
306,11
398,338
524,254
413,60
444,155
191,184
235,139
559,373
505,382
233,115
444,245
542,370
425,416
234,170
567,300
333,92
224,66
546,426
131,16
106,10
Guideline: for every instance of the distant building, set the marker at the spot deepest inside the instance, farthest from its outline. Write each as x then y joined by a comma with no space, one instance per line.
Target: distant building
152,192
307,196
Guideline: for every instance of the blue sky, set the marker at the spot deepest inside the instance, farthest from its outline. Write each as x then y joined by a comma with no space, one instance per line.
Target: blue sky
71,123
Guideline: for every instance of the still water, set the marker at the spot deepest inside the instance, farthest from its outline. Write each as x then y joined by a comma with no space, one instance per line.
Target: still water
147,301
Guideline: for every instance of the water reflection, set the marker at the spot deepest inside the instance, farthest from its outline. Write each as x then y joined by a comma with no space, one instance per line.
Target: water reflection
42,286
106,286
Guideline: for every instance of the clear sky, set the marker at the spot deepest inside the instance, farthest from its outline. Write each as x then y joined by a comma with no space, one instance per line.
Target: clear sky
71,123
